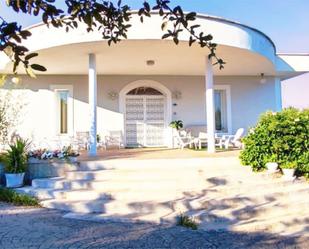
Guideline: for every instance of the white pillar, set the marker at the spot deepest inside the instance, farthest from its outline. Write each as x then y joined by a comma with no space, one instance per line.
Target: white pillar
92,77
210,105
278,94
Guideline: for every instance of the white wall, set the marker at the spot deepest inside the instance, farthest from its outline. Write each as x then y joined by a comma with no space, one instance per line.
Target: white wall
295,92
249,99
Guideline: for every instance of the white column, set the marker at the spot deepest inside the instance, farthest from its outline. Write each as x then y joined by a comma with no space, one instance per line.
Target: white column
92,77
278,94
210,105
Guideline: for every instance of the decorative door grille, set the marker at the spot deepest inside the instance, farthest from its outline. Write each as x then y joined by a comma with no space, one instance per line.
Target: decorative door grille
145,121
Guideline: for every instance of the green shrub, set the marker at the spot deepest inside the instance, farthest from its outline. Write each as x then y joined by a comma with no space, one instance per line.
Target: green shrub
187,222
289,165
284,134
11,196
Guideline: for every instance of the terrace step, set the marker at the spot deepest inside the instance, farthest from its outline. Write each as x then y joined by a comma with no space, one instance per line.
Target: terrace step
111,208
208,198
220,196
186,185
287,224
158,164
63,194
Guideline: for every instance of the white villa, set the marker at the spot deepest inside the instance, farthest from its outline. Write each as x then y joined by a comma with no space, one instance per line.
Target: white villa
143,83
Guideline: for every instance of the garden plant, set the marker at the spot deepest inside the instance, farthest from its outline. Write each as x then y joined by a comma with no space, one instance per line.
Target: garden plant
281,136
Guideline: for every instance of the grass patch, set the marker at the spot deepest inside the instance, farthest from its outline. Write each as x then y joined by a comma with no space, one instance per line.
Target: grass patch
186,221
11,196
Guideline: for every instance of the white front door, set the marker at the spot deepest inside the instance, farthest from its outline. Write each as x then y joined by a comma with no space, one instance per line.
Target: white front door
145,120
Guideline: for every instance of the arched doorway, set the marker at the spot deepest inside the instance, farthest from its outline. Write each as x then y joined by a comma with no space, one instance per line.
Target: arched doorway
146,109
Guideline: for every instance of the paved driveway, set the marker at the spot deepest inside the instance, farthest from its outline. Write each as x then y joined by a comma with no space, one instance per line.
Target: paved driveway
43,228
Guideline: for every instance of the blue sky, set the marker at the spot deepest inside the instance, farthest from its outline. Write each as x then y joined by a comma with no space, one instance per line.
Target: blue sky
285,21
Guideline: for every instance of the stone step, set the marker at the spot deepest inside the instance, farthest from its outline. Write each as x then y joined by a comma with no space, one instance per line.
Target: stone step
288,224
217,186
120,175
219,178
83,195
63,194
159,164
54,182
41,194
255,211
285,225
169,194
129,218
234,197
110,207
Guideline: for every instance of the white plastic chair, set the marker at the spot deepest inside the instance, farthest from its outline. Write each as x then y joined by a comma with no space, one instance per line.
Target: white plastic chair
184,141
202,139
82,140
232,140
114,139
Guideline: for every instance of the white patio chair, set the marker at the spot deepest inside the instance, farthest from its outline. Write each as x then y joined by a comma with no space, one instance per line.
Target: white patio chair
196,129
232,140
184,141
203,139
82,140
114,139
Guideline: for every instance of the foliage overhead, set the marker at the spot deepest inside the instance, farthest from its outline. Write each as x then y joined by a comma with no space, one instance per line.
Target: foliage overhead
283,135
109,18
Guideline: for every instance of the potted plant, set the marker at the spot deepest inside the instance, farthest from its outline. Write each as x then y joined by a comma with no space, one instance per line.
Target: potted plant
15,160
176,124
272,164
71,154
288,169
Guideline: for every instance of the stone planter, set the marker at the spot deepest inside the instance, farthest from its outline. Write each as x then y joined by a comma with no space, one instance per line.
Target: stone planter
288,173
272,167
14,180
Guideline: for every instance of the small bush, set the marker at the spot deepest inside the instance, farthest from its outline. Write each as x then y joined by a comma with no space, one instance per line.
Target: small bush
11,196
187,222
284,134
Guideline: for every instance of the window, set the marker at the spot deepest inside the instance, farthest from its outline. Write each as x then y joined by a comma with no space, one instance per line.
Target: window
144,91
64,105
63,97
221,110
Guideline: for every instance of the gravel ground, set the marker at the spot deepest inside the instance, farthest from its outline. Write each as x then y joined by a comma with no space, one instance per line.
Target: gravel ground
42,228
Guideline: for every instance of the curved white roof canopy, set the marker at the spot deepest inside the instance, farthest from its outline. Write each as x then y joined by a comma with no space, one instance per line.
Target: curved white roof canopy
247,51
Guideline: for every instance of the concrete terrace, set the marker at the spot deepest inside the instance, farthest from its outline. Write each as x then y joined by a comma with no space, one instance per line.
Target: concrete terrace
156,185
155,153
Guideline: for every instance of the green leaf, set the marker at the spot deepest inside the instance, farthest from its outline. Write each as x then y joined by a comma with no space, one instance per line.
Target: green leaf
29,56
38,67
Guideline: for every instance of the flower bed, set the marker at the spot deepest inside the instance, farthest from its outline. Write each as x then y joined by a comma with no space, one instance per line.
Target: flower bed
44,154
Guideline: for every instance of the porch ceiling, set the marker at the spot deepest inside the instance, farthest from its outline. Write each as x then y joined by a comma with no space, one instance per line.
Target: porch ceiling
129,58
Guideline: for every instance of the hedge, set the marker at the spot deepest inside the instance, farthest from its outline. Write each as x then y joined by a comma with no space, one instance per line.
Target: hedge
283,135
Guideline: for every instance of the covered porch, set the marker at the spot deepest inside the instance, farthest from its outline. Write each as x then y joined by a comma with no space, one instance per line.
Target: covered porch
92,87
